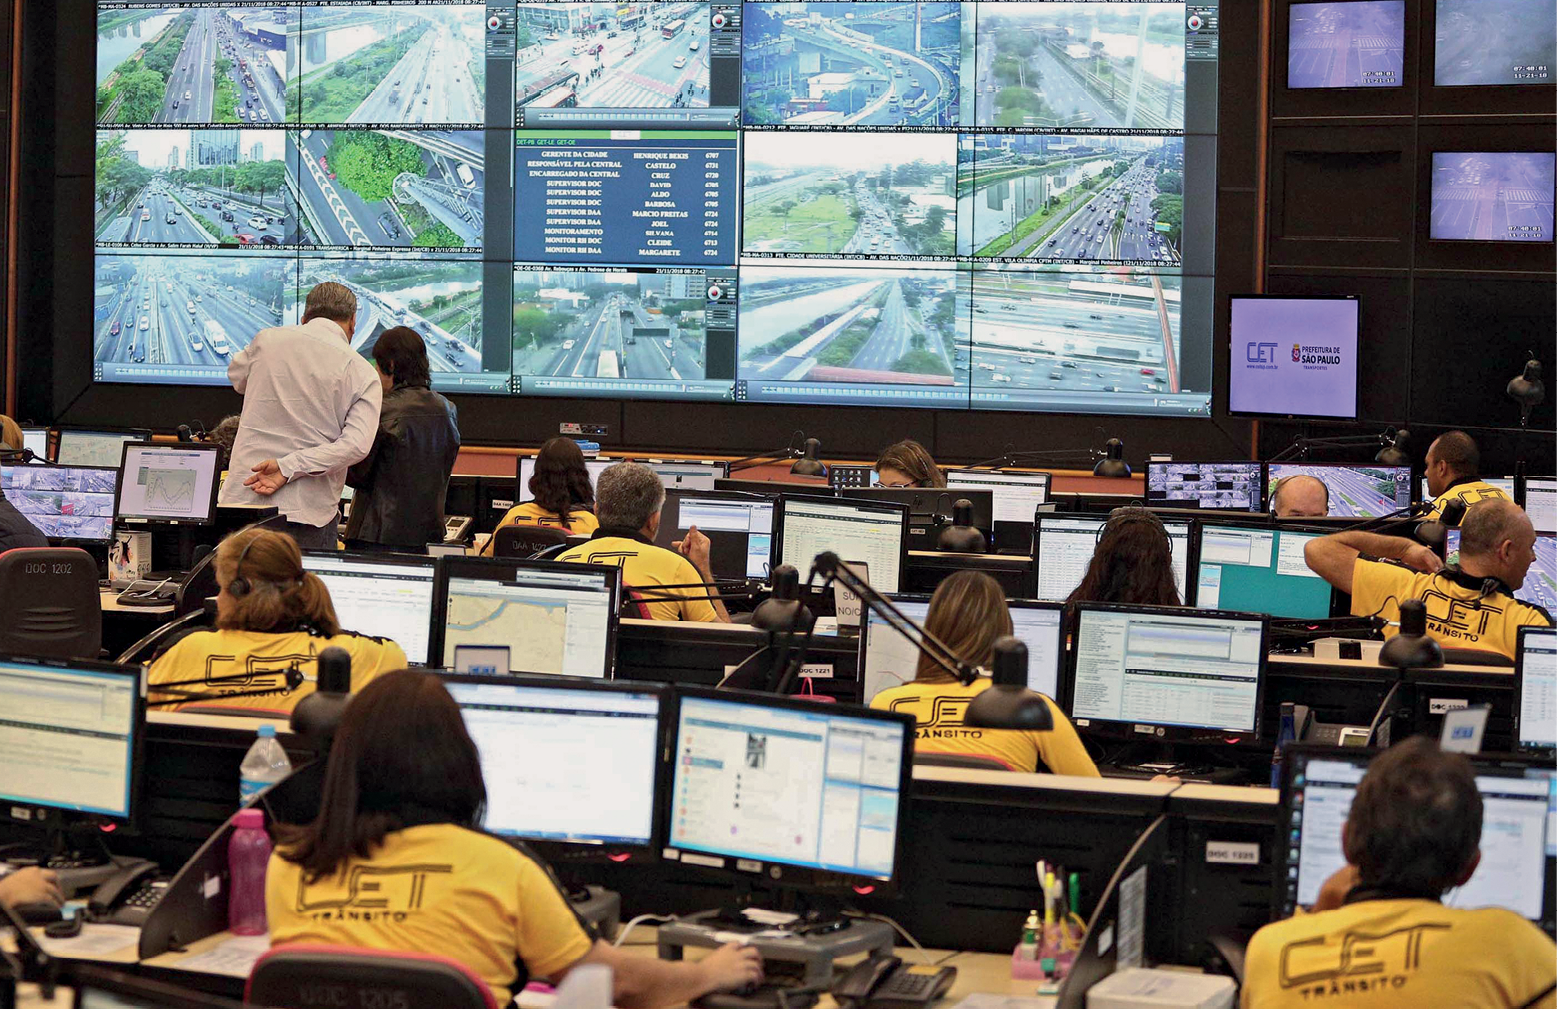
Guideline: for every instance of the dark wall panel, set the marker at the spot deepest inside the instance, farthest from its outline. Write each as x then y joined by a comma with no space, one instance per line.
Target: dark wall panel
1341,196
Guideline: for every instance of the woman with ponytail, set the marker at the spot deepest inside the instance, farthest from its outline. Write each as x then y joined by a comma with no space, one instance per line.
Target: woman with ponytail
272,621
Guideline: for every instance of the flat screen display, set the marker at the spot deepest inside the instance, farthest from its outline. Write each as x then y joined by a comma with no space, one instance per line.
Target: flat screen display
1492,196
1482,42
1346,45
990,204
1293,357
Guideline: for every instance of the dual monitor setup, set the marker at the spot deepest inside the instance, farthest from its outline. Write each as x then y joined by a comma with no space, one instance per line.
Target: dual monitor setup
82,484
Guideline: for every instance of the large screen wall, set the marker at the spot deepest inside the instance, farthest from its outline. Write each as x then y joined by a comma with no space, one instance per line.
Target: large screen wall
995,204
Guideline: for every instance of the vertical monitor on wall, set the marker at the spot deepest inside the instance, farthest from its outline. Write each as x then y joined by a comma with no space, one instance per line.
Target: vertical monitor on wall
1356,44
1293,356
980,205
1492,196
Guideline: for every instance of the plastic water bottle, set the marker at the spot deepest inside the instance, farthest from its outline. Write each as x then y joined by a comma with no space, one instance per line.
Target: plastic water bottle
265,764
248,853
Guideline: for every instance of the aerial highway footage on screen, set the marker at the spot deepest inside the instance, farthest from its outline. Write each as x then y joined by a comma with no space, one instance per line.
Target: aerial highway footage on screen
947,203
1355,44
1493,197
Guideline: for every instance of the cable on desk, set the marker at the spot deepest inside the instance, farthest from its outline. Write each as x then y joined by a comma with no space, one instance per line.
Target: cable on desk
632,923
924,954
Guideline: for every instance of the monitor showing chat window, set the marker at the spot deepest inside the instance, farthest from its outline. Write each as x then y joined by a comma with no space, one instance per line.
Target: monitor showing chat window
739,528
1260,569
167,484
1064,545
385,596
888,659
1293,357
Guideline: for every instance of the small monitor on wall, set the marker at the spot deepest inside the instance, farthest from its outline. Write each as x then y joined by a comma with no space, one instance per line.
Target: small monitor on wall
1494,42
1346,45
1497,196
1293,356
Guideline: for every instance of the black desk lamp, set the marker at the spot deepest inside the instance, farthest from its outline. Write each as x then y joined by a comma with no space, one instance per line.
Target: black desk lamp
1527,390
962,536
783,610
1412,648
316,717
810,461
1112,464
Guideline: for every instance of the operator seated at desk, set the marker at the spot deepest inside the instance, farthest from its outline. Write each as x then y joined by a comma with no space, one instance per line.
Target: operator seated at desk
908,464
1133,563
1300,496
1453,472
1379,935
397,861
628,501
1469,606
271,617
968,611
561,496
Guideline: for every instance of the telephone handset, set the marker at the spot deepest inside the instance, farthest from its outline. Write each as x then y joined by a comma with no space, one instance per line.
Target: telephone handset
885,982
127,897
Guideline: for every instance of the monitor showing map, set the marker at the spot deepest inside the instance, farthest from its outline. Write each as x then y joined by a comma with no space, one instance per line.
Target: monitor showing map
556,619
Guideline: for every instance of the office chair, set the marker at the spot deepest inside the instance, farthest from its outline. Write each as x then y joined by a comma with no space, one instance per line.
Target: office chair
526,541
974,761
553,552
54,608
362,977
1475,657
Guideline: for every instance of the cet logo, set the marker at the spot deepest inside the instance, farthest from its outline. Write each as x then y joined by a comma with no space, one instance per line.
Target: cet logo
1359,963
1259,353
1297,353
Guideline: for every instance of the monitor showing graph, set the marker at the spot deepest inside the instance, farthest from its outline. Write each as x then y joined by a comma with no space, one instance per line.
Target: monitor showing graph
167,483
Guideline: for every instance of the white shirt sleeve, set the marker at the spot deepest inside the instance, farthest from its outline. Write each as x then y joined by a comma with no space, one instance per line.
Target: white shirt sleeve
357,432
238,367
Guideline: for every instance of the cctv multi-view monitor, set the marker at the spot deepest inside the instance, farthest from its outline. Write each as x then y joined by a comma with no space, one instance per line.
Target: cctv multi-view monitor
968,205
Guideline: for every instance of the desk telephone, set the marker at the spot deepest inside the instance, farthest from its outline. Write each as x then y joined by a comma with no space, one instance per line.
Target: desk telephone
886,982
127,897
1310,730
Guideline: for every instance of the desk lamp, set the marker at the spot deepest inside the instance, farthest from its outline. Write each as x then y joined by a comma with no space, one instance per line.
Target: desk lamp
962,536
1412,648
783,610
316,717
810,461
1112,464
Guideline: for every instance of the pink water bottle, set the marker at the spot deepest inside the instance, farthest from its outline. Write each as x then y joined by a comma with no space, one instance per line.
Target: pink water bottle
248,853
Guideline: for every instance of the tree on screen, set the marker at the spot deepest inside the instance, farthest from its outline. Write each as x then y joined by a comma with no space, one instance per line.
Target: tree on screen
368,163
142,91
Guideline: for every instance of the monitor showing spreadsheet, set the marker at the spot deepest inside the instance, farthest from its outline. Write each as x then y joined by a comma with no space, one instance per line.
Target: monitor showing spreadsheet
1535,689
101,449
380,595
875,533
1518,846
565,615
1064,544
70,737
527,470
888,659
563,764
838,776
1187,672
1259,568
1226,486
173,484
1541,503
1356,491
739,528
1016,495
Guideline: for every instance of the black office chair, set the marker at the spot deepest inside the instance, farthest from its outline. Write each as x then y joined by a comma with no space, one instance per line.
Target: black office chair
553,552
1475,657
526,541
54,608
283,977
975,761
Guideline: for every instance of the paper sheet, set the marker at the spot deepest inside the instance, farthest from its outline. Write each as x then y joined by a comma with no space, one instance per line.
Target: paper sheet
233,957
987,1001
94,941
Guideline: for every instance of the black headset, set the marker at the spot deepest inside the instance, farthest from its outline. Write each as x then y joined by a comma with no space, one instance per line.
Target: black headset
241,586
1124,516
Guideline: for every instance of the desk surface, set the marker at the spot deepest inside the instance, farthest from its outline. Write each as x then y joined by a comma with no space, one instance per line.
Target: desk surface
111,604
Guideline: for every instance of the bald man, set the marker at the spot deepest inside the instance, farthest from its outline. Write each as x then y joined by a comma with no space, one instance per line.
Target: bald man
1469,606
1453,472
1300,496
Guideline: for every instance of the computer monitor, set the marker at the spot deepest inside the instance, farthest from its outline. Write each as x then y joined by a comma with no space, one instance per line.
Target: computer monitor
527,470
170,484
739,528
1502,483
1535,689
680,474
575,767
63,502
1541,503
774,487
1223,486
1183,673
873,532
888,659
1356,491
98,449
1518,846
36,440
380,595
1360,44
1540,587
559,618
818,790
71,738
1064,545
1260,569
1016,497
1293,356
931,508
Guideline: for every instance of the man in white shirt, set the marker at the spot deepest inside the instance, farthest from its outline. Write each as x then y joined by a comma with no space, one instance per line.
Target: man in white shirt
310,410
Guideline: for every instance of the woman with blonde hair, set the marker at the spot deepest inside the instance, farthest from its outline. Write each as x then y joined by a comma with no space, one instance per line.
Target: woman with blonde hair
272,621
968,613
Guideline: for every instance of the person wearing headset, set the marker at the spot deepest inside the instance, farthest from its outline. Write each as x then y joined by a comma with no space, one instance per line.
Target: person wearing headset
968,612
1468,606
272,621
1379,934
402,804
908,464
1453,471
561,494
1133,563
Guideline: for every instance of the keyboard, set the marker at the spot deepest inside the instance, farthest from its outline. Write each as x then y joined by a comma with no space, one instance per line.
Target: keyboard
1145,772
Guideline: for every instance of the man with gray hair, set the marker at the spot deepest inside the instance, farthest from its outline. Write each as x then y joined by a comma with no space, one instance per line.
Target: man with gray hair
628,499
310,410
1469,605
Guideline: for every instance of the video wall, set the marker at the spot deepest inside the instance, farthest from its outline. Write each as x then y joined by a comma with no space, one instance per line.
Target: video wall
992,204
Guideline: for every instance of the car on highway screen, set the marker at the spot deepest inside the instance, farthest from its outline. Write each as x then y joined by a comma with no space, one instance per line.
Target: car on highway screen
991,204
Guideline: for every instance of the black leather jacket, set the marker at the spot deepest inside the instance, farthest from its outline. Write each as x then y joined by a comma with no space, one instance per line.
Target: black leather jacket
401,484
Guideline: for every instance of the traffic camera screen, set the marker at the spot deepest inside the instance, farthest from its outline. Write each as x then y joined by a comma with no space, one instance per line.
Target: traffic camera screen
1492,197
992,204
